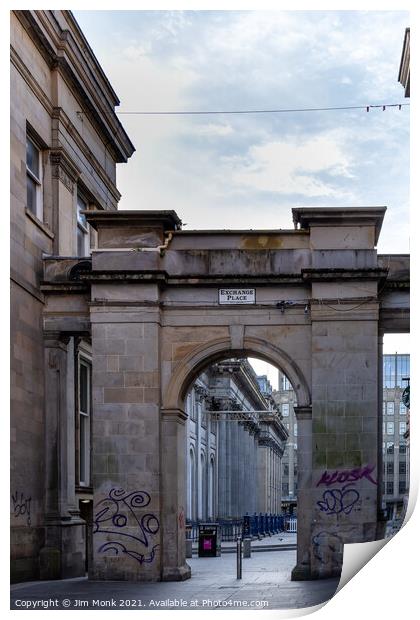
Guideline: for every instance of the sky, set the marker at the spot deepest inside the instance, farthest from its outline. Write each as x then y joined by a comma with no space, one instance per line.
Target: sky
249,170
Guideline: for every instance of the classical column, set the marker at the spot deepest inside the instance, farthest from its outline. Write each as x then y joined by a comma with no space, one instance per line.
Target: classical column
64,552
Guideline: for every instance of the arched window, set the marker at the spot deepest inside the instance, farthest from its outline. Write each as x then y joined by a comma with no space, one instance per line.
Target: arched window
191,487
211,490
202,494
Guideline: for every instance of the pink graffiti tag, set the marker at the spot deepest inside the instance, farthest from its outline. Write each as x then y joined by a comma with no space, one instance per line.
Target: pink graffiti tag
347,475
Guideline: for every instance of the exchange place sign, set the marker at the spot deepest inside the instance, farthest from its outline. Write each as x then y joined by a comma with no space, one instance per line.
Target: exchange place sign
236,295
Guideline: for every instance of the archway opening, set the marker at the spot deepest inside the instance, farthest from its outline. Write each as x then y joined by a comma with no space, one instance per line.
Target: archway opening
241,448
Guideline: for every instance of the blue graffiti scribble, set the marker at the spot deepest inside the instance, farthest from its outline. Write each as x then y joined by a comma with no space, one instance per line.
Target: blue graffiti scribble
326,546
120,548
110,519
336,501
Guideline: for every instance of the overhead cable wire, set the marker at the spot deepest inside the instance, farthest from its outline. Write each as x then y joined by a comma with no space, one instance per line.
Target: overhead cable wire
274,111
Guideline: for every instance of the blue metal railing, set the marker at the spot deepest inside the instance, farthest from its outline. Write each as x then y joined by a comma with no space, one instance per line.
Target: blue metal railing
254,526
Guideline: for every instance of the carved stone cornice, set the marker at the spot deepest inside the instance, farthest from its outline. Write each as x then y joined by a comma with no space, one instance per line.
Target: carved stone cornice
303,412
64,169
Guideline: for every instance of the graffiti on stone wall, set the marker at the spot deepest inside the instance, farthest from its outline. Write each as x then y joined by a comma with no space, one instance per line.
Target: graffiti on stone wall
22,507
328,548
347,475
118,515
336,501
342,499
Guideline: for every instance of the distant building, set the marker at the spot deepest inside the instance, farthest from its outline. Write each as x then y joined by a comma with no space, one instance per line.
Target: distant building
404,72
235,442
285,399
395,448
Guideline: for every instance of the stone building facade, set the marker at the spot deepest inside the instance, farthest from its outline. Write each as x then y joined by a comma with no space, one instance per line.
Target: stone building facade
105,348
226,455
65,143
285,399
395,483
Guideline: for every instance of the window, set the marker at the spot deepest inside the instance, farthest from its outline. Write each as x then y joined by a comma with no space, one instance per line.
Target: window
396,367
390,488
383,407
84,418
403,428
402,467
82,228
285,410
33,178
286,469
295,429
390,428
390,469
401,486
390,447
390,408
403,448
284,489
403,369
403,409
285,383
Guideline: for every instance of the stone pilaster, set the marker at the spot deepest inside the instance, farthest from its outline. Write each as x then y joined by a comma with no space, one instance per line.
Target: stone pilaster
63,554
302,569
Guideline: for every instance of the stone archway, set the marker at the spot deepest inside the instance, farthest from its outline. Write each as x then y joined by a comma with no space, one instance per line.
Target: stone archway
309,302
202,356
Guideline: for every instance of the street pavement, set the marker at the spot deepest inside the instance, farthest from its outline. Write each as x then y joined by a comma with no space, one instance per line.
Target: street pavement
265,584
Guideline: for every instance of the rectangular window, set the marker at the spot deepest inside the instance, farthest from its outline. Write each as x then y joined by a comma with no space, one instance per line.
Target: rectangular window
390,447
403,448
390,428
390,469
286,385
383,407
33,178
82,228
285,489
403,428
403,409
286,469
295,429
401,487
285,410
390,408
84,416
402,467
403,369
390,488
389,371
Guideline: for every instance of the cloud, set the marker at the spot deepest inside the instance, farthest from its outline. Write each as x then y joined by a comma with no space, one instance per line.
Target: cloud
293,166
248,170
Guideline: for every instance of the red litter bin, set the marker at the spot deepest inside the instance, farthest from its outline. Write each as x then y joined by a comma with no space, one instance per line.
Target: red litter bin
208,540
